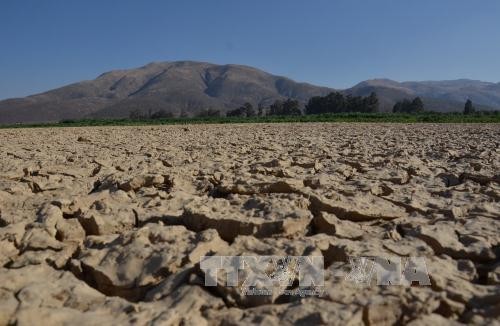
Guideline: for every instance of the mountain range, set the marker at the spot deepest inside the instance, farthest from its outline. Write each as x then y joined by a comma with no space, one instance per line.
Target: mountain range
190,87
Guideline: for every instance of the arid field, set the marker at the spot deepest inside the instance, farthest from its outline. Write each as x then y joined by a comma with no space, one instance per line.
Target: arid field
107,225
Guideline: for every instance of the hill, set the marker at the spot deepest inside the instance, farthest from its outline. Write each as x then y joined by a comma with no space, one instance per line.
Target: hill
173,86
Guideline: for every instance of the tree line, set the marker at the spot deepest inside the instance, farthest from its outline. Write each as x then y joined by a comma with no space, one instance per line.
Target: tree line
334,102
337,102
278,107
416,106
409,106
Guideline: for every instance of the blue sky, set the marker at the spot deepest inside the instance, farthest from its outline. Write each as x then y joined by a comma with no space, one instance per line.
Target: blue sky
49,43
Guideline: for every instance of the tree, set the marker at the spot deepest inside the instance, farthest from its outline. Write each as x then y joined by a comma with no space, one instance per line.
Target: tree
398,107
288,107
403,106
248,109
276,108
333,102
417,106
336,102
234,113
353,104
371,103
162,114
407,106
316,105
469,108
291,107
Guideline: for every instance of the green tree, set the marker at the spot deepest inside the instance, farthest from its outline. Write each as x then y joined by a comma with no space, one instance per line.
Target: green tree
403,106
316,105
353,104
276,108
331,103
407,106
417,106
336,102
248,110
469,108
291,107
371,103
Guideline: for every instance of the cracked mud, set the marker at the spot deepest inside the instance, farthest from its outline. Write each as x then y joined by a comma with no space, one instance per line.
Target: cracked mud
107,225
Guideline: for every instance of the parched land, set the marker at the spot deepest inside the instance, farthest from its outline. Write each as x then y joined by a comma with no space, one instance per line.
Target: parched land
107,224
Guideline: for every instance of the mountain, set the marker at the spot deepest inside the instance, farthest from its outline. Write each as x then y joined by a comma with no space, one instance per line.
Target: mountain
190,87
444,96
173,86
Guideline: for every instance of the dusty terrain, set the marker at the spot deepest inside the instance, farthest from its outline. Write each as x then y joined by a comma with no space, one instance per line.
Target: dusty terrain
107,225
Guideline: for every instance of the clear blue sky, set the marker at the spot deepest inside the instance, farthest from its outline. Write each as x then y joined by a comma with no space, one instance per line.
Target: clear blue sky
49,43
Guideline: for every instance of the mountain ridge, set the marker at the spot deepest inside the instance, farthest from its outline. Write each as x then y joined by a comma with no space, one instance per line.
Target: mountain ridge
192,86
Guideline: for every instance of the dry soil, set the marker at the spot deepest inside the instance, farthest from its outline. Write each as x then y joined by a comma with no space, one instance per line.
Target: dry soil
107,225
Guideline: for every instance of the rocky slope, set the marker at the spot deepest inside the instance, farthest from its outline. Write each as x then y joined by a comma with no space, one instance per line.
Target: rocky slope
101,225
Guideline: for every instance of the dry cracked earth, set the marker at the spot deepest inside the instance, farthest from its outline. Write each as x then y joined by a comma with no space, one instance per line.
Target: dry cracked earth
107,225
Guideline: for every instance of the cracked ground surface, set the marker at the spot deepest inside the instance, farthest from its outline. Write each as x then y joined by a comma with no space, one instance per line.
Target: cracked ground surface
107,225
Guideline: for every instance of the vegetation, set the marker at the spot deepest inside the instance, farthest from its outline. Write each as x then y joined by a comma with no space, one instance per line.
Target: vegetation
246,110
335,107
407,106
288,107
139,115
477,117
469,108
336,102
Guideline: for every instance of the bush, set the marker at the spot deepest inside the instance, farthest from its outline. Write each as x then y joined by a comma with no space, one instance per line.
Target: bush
162,114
